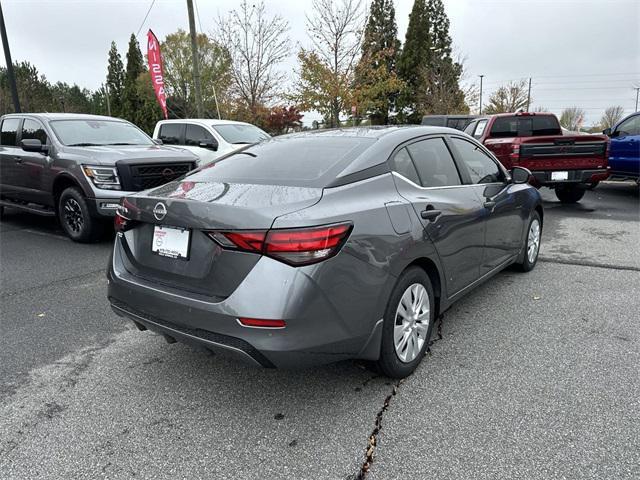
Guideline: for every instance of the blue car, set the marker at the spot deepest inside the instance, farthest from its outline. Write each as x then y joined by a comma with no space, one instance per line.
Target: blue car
624,153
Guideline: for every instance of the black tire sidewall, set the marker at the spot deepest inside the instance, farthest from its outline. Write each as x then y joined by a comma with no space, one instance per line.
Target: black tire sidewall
90,228
569,193
389,363
526,265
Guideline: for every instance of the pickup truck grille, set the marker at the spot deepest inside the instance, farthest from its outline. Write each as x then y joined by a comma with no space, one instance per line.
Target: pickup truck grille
551,150
136,177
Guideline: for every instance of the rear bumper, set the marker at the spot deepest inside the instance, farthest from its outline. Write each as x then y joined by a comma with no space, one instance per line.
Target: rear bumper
543,177
317,330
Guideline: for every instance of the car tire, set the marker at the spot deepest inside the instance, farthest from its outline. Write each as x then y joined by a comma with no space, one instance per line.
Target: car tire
75,217
413,293
531,244
569,193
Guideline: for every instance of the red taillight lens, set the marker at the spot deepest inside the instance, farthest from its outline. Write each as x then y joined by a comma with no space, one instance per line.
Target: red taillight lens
261,323
120,223
296,246
514,156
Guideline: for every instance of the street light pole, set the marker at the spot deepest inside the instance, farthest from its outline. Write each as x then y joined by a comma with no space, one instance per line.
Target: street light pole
10,73
481,76
194,52
637,91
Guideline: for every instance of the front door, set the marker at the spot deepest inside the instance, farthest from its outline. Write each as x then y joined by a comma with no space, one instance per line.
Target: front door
625,147
450,212
503,203
33,165
10,158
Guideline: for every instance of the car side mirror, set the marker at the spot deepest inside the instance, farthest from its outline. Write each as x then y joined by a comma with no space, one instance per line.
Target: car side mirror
158,141
34,145
520,175
607,132
210,144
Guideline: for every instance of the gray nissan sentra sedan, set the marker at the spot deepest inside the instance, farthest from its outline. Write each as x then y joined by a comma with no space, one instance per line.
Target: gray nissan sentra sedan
318,247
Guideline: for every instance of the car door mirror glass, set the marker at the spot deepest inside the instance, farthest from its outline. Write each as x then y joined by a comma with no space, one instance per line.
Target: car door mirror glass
607,131
158,141
520,175
210,144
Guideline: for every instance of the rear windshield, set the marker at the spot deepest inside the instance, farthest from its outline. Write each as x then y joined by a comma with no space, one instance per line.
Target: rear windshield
526,126
310,161
241,133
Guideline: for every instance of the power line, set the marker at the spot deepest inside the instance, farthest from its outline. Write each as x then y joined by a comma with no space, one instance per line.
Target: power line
145,17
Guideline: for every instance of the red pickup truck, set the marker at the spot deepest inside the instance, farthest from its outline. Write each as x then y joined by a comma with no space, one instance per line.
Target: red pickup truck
567,163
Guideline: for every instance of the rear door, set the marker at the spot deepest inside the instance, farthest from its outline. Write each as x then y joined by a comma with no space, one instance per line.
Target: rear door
33,166
451,213
10,157
502,204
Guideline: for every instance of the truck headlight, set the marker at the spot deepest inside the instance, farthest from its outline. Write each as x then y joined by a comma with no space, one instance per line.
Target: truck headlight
103,177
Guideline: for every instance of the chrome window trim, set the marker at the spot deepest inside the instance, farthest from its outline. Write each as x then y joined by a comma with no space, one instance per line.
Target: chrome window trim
393,172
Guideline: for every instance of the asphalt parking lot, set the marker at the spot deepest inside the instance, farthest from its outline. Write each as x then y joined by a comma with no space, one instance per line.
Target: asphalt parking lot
530,376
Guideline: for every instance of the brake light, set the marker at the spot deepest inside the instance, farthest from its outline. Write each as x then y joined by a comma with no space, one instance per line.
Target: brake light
120,222
295,246
514,156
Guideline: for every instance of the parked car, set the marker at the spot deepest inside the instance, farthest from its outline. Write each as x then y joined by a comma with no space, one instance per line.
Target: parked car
208,139
318,247
624,154
459,122
79,166
569,164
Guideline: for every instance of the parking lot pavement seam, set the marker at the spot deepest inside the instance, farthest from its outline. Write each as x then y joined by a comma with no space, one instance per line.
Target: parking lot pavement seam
372,442
581,263
55,282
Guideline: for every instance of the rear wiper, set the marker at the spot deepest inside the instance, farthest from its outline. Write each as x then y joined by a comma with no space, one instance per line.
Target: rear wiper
85,145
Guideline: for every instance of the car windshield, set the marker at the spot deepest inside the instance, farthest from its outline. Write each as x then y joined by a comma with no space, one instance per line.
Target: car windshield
84,133
238,133
305,161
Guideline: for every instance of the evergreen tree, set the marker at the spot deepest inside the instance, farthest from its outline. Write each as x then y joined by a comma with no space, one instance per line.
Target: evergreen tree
131,98
377,66
414,61
115,80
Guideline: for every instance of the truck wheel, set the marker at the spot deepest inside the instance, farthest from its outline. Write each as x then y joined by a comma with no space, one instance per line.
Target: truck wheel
74,216
569,193
408,321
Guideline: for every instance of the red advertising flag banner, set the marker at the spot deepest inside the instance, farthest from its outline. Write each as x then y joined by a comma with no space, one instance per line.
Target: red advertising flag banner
154,59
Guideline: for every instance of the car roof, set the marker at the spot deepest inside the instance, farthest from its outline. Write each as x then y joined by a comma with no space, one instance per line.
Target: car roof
209,121
64,116
377,131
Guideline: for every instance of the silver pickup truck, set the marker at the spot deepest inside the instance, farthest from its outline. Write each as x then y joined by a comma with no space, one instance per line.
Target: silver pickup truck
79,166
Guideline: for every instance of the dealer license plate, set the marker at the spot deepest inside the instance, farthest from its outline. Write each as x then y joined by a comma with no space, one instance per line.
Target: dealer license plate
171,242
559,175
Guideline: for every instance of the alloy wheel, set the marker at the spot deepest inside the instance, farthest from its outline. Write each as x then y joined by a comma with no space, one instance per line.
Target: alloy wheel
533,243
73,215
412,323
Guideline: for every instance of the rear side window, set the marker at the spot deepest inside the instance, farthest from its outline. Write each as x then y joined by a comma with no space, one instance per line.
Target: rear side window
525,126
482,124
403,164
196,134
306,161
9,132
434,163
482,169
32,129
171,133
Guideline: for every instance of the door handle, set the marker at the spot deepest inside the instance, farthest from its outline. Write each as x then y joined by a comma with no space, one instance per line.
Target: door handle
430,213
17,159
489,204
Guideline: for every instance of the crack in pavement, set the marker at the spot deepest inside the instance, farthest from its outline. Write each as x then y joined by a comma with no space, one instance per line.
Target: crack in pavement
54,282
373,437
585,263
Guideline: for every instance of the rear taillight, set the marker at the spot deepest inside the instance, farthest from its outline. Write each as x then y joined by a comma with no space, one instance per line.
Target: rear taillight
296,246
120,223
514,156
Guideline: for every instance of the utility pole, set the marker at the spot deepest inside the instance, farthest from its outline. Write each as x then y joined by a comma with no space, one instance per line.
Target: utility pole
529,94
194,51
637,91
106,94
10,73
481,76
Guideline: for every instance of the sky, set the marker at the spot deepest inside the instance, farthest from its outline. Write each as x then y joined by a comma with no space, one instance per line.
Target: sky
582,53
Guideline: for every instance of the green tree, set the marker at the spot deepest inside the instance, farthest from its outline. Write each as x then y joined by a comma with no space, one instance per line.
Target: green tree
34,91
131,101
149,111
612,115
115,81
215,75
414,60
71,99
572,118
508,98
376,79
